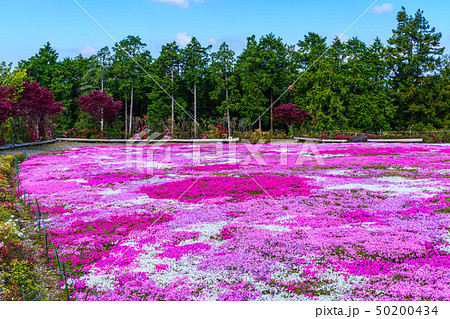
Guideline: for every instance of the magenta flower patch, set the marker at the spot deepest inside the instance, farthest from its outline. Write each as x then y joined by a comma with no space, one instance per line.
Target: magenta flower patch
230,188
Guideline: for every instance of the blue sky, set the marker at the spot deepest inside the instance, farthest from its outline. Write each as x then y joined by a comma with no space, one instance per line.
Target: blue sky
26,25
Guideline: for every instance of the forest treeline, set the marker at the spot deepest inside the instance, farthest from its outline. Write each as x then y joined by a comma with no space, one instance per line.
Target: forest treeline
398,85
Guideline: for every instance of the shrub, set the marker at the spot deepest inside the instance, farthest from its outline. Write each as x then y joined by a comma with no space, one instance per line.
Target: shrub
21,283
256,136
18,279
359,139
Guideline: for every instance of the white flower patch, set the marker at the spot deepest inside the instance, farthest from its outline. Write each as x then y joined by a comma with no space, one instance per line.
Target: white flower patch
337,289
367,225
338,172
397,185
317,178
110,192
185,266
283,218
153,180
408,168
446,248
339,286
332,155
100,281
229,161
274,228
358,186
78,181
137,201
207,229
130,244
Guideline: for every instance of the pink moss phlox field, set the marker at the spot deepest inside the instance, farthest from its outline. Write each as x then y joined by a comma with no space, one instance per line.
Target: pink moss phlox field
370,222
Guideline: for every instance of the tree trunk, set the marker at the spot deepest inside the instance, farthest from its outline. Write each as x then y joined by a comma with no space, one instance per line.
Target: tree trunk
37,133
126,113
173,104
259,120
16,129
228,106
101,121
195,110
131,110
271,111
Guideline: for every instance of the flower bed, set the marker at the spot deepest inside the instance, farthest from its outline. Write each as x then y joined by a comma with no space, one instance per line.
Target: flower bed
365,223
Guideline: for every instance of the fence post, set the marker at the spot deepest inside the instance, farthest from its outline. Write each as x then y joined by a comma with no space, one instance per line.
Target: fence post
88,293
38,214
45,241
71,277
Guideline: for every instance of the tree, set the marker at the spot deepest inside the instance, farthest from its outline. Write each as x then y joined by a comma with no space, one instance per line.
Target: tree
319,89
68,85
128,55
195,60
11,77
95,79
249,73
414,53
366,100
99,106
167,68
7,97
290,114
275,67
36,105
222,65
42,66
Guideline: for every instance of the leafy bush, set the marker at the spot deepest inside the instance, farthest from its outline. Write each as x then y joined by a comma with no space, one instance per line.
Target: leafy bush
215,132
255,137
18,279
21,283
359,139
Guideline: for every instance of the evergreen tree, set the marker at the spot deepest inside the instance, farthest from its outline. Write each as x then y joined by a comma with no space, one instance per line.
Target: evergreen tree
414,53
195,60
222,67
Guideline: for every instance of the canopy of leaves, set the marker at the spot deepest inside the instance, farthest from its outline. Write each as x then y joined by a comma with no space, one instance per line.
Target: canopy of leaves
7,97
99,105
37,101
290,114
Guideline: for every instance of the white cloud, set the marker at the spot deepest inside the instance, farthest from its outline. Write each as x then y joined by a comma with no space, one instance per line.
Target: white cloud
180,3
385,7
88,51
342,37
231,41
183,39
213,41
